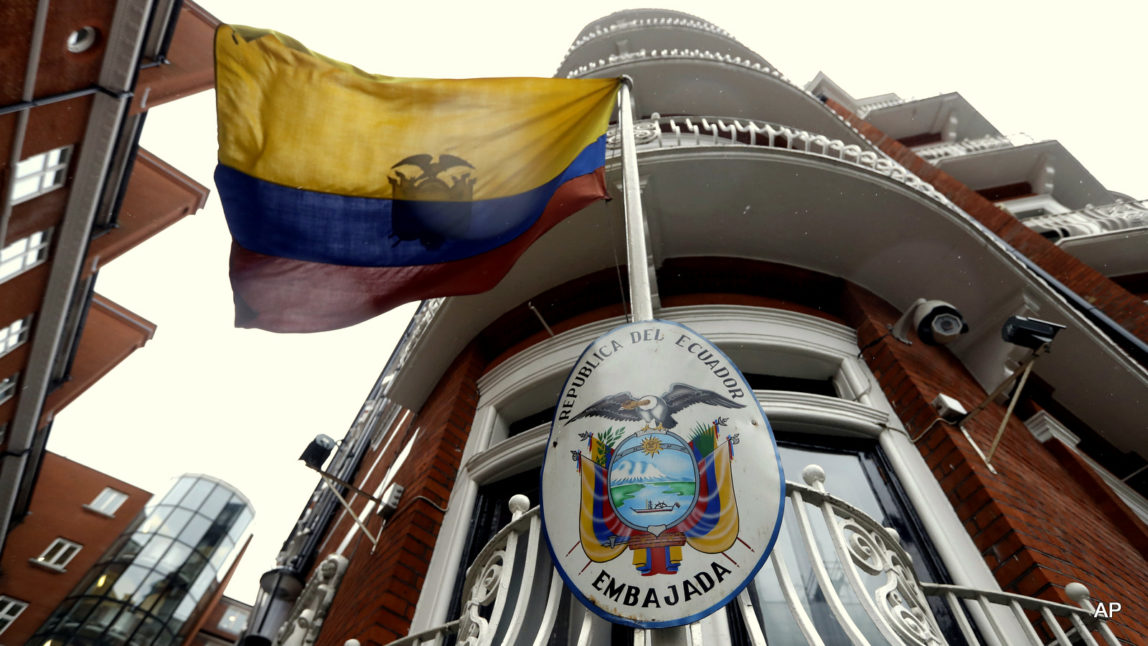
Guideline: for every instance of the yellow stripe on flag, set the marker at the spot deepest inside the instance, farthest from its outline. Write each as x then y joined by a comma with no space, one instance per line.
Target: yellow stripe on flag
723,535
293,117
594,550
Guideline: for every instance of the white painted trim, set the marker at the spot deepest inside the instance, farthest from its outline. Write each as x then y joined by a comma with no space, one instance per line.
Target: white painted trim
523,449
799,412
549,357
1044,427
1043,201
434,602
726,326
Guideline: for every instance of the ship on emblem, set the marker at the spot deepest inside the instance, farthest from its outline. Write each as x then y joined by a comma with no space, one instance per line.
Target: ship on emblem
432,199
651,508
651,491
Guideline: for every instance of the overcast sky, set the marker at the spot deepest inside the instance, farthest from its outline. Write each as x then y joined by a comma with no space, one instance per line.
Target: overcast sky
241,405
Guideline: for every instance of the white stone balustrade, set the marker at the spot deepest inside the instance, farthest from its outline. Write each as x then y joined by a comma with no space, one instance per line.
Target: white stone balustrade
933,152
1091,220
695,131
864,107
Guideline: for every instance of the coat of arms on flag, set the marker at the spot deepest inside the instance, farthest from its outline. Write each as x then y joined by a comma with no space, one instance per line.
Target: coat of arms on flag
645,526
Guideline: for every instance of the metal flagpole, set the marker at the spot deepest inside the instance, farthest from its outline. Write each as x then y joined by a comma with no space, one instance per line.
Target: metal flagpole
641,303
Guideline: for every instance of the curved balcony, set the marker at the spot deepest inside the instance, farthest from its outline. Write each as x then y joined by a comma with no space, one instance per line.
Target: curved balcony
857,576
655,29
718,84
1092,220
701,132
933,152
1111,239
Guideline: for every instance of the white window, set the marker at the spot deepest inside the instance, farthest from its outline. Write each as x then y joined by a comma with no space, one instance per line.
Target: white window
107,502
24,254
8,387
40,174
58,554
9,610
14,334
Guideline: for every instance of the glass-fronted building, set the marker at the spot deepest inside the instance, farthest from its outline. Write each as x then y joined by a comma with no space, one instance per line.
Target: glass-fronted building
148,587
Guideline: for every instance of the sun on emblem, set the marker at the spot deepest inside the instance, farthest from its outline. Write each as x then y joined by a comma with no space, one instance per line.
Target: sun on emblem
651,445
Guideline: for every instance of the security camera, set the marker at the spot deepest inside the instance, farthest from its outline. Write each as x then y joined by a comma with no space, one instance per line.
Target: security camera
936,322
317,451
1029,332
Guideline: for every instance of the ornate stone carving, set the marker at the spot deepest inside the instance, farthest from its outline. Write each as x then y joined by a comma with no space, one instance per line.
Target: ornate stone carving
306,620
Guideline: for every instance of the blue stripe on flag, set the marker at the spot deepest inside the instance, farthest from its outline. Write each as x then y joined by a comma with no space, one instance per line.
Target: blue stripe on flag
307,225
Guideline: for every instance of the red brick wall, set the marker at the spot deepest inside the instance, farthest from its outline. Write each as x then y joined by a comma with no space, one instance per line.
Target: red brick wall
1038,523
1126,309
377,597
57,511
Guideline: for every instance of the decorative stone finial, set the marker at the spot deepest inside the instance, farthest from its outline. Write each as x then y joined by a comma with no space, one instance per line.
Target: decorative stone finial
813,475
1076,591
518,504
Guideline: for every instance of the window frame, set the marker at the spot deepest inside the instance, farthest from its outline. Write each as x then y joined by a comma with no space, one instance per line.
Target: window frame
57,563
757,339
55,173
100,509
15,334
8,387
35,246
6,605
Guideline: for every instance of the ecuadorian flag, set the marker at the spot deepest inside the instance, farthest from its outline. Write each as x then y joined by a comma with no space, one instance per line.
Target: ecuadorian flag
350,193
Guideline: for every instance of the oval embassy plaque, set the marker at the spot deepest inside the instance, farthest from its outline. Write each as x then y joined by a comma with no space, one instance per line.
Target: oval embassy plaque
662,490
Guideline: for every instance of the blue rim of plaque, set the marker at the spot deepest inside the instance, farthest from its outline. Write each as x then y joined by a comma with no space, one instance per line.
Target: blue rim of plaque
681,621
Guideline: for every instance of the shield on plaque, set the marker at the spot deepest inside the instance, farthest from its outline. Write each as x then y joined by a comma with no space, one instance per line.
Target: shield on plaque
655,438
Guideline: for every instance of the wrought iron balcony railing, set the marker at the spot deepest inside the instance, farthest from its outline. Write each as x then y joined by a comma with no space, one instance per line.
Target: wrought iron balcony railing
862,579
